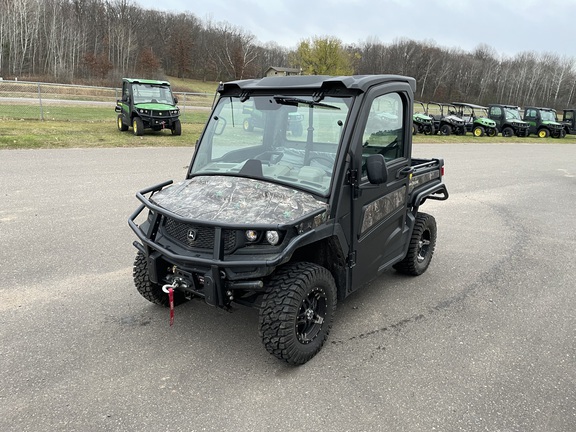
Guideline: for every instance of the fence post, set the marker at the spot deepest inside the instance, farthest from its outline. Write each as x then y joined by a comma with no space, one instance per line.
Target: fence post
184,107
40,99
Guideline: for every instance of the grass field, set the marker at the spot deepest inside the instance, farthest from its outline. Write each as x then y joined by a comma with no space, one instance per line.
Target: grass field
34,134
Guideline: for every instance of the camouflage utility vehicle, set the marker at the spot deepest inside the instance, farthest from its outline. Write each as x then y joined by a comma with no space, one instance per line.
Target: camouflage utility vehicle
476,119
147,104
543,122
292,224
569,121
508,120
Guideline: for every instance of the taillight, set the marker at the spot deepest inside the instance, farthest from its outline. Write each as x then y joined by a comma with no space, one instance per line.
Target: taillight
442,171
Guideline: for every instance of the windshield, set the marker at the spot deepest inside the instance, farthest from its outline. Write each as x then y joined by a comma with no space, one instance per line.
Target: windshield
511,114
283,139
152,93
548,115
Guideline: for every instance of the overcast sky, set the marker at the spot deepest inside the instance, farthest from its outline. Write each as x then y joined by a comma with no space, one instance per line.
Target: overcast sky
508,26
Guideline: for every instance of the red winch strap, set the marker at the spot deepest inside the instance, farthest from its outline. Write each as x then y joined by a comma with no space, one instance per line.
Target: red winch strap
171,302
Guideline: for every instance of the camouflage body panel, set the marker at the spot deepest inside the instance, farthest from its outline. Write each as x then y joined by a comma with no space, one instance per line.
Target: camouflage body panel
382,207
224,199
421,179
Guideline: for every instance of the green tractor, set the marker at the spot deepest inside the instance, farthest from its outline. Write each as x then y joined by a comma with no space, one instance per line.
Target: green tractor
147,104
543,122
421,123
476,119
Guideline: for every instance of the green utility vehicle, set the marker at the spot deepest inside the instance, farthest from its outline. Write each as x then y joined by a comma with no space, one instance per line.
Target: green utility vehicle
147,104
508,120
286,224
569,121
422,123
445,119
476,119
543,122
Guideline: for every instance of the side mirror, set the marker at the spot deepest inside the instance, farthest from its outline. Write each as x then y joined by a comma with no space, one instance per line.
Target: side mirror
376,169
175,100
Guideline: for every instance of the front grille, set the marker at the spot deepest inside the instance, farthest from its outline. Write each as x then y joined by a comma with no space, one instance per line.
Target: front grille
198,236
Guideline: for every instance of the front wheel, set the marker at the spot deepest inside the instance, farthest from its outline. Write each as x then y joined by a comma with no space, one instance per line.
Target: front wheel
421,248
543,133
138,126
445,130
177,128
297,311
151,291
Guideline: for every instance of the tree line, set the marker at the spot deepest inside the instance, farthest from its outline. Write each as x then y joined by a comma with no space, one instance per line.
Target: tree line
100,41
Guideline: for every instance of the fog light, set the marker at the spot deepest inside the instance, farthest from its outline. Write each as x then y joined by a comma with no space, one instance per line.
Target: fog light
251,235
273,237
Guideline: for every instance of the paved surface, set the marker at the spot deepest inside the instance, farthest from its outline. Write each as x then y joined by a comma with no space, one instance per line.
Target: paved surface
484,341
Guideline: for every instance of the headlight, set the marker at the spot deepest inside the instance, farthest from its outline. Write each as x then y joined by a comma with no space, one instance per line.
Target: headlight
273,237
251,235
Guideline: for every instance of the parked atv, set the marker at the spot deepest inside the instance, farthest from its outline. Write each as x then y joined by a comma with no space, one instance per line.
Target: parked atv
543,122
476,119
445,119
147,104
508,120
422,123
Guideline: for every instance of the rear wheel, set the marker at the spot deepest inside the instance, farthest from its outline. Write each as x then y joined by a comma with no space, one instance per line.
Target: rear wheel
478,131
421,248
297,311
428,130
138,126
543,133
491,132
414,129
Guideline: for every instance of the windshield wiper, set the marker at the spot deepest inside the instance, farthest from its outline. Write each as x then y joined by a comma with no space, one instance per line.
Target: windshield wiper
282,100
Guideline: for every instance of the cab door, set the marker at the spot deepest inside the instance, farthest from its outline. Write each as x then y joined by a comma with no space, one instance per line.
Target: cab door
379,211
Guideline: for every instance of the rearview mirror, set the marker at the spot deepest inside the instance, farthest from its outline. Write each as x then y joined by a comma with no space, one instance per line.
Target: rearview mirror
376,169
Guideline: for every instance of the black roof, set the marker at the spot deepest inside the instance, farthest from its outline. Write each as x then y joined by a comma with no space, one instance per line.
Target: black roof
474,106
360,83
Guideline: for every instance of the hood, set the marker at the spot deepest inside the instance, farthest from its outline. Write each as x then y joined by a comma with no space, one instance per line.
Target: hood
236,200
155,106
422,117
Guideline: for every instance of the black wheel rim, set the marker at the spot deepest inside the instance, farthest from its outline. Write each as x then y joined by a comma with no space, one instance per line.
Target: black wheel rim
311,316
423,247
